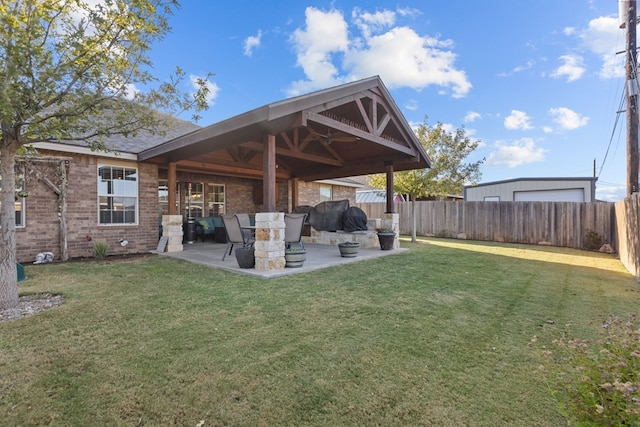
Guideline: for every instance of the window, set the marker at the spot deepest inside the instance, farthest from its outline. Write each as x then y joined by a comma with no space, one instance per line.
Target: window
325,193
18,205
216,200
193,199
491,198
117,195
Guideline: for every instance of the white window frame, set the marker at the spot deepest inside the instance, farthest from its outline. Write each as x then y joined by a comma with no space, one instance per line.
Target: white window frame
118,192
323,197
211,202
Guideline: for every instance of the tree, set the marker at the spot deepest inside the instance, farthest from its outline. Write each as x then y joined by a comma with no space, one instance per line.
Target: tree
448,173
71,70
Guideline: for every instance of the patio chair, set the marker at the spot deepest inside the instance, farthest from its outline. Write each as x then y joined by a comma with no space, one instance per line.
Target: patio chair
293,224
245,222
235,234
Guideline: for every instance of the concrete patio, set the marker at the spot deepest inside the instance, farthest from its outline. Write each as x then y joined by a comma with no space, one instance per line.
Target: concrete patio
318,256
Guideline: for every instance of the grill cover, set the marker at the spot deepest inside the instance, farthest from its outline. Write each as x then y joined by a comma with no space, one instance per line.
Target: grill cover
327,216
354,219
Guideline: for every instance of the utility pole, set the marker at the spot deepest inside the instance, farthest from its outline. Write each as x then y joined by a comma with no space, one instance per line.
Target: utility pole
632,101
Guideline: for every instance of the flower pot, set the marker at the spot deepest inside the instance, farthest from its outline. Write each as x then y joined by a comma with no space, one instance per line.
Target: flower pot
245,257
386,240
349,249
294,259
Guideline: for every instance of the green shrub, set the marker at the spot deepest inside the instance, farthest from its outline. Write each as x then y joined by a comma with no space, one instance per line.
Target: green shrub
599,383
442,234
100,249
592,240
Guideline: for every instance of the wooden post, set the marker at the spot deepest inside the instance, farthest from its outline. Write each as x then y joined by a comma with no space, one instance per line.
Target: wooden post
172,189
389,170
62,199
294,192
269,174
632,102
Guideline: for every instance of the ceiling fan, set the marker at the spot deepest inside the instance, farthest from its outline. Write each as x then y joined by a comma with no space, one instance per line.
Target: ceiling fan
330,136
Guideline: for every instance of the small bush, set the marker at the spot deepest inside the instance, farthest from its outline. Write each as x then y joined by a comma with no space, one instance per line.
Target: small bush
592,240
600,383
100,249
442,234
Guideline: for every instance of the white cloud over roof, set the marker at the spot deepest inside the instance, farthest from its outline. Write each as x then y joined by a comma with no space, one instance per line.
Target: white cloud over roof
515,154
329,53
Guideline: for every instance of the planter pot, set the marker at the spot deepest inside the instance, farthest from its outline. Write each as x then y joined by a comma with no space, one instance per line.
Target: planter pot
245,257
386,240
349,249
294,259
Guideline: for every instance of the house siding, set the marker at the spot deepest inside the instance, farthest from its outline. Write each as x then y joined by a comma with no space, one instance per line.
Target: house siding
506,190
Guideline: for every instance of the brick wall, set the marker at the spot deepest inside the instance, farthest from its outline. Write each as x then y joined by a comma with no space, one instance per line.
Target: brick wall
42,230
309,193
240,194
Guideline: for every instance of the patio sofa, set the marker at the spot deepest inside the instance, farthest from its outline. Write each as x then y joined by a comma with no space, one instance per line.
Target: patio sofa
206,226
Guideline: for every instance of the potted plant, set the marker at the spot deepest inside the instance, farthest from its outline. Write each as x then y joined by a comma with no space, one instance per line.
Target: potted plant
386,237
245,256
349,249
294,257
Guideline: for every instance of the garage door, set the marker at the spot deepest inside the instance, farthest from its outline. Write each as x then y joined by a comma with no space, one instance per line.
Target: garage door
566,195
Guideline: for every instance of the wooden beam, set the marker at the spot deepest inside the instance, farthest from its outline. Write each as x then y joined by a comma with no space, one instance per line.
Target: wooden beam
298,155
172,188
269,179
388,165
227,170
364,114
383,124
326,121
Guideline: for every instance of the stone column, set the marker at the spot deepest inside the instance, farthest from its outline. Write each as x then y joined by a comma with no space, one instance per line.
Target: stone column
172,229
393,220
269,246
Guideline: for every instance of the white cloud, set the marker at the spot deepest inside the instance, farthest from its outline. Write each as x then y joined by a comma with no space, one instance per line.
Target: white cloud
411,105
471,117
517,120
325,33
519,152
572,68
214,89
402,57
567,119
530,63
251,43
603,37
131,91
372,22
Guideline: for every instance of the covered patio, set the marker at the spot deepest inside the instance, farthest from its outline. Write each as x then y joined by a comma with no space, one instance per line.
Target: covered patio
318,257
348,130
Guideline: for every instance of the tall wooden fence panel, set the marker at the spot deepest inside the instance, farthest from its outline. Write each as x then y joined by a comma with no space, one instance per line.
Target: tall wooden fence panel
628,223
553,223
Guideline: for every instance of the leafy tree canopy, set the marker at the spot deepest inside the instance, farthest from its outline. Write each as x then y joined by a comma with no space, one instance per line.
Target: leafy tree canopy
448,173
79,70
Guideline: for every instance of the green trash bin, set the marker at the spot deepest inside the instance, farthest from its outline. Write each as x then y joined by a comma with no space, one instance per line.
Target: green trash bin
21,275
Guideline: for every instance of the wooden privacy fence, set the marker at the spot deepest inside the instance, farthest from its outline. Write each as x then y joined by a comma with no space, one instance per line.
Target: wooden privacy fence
552,223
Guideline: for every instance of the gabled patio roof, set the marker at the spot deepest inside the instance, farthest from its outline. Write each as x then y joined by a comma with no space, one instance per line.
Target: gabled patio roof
351,129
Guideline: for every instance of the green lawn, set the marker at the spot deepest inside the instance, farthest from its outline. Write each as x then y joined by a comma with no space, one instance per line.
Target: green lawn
434,336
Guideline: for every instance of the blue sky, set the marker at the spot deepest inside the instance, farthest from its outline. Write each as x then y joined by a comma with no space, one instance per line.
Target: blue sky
537,82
